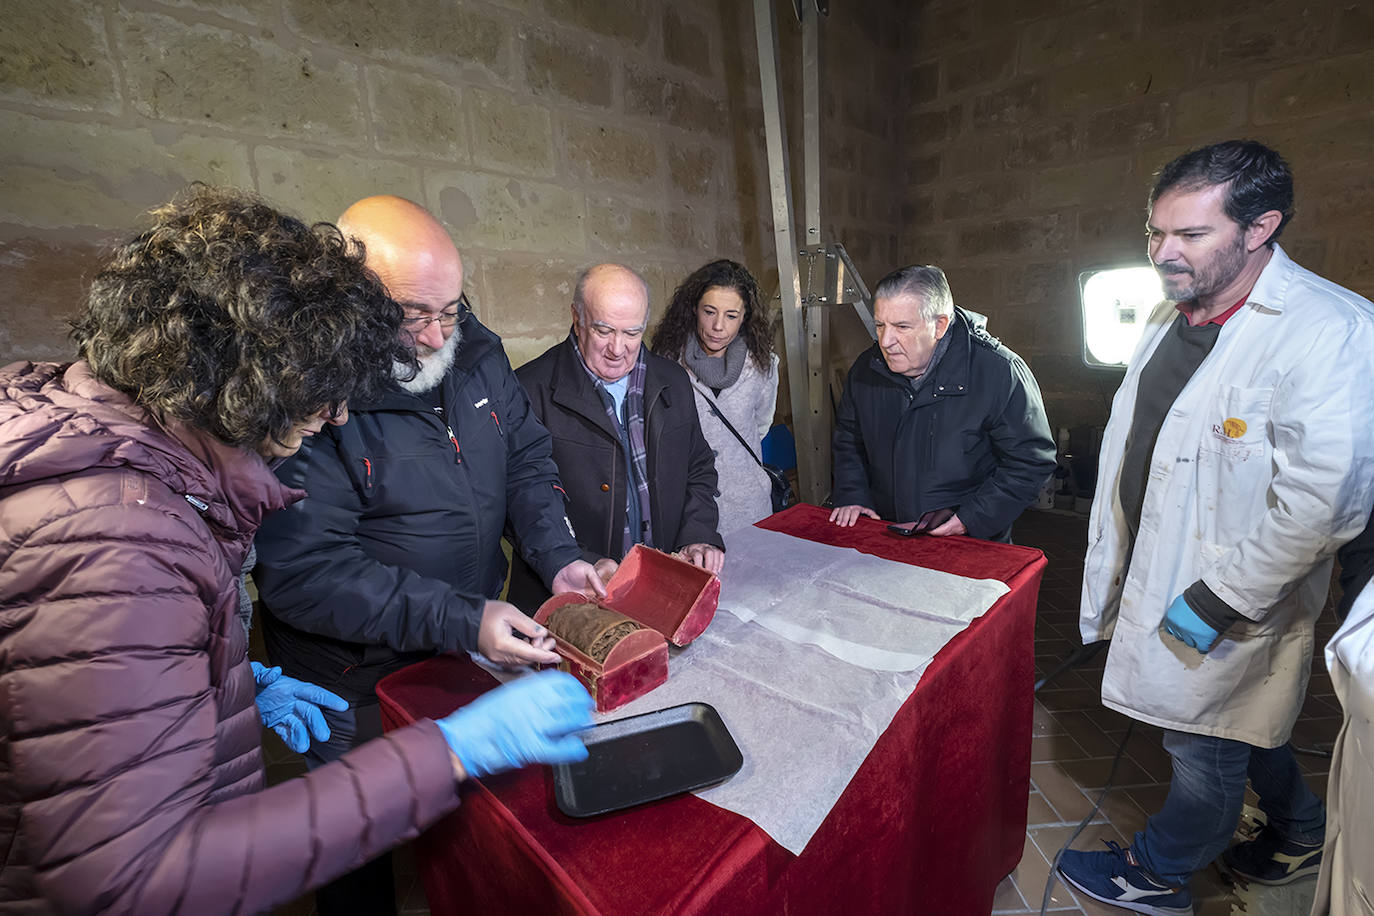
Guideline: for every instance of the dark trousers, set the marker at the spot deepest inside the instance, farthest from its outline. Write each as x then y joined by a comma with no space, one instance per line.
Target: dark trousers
371,889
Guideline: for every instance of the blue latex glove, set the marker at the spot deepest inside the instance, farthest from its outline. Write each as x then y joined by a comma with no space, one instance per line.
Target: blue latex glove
291,708
1182,623
533,719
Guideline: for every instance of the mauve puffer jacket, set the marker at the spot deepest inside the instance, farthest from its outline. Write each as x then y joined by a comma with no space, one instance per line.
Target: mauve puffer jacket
131,777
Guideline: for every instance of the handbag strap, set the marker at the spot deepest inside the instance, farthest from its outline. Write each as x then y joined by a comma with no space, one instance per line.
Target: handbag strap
711,403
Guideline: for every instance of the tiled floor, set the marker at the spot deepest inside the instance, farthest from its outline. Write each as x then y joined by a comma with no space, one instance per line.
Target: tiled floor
1074,741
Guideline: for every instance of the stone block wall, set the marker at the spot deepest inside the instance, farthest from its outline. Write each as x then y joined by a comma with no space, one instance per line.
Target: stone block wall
548,135
1033,129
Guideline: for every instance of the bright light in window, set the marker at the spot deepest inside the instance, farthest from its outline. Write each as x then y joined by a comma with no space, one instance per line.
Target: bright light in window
1116,304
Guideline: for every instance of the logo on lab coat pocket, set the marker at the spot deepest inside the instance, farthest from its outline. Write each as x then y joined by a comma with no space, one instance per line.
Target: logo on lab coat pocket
1228,440
1231,428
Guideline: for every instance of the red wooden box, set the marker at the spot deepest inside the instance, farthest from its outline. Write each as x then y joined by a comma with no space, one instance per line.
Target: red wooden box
670,596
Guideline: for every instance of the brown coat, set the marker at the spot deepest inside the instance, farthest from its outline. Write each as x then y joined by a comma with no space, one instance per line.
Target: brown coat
131,776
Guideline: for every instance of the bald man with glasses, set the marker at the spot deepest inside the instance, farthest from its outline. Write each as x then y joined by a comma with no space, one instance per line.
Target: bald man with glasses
395,555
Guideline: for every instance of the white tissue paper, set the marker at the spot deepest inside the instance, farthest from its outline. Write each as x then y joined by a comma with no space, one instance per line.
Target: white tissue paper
811,654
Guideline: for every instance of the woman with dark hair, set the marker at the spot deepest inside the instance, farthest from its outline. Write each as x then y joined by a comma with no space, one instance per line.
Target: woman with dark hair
131,483
717,327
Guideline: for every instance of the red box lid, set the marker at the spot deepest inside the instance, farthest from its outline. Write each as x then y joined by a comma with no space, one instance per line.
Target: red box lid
662,592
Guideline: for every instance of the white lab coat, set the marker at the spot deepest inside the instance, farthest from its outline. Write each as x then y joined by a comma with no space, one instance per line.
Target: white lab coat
1346,884
1263,467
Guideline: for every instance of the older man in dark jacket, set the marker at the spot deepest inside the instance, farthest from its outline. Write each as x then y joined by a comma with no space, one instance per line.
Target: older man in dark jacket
940,425
626,437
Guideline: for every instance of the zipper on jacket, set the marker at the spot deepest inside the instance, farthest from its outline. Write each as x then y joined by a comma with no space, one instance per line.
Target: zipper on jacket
930,461
199,504
497,420
614,535
658,435
457,452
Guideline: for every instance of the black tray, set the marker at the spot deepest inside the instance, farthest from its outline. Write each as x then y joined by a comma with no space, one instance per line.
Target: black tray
644,758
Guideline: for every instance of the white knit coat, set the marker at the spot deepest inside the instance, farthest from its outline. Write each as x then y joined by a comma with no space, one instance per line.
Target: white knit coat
744,491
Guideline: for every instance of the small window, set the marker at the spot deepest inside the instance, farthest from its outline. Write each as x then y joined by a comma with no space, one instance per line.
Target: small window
1116,302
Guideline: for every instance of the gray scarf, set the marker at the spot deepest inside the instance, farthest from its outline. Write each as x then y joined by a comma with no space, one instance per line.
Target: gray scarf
716,372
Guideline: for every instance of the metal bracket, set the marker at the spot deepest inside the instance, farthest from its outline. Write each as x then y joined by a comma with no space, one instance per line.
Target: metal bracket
822,7
844,286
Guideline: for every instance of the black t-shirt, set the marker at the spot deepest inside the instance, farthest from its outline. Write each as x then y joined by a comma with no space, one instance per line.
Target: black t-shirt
1161,381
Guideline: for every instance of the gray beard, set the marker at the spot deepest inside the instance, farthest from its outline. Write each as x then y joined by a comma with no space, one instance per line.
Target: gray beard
433,367
1212,277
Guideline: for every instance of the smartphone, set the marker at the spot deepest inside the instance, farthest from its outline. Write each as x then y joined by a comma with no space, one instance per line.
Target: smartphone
932,519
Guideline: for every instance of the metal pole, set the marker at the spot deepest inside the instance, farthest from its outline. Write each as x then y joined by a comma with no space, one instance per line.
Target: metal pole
815,314
811,121
789,284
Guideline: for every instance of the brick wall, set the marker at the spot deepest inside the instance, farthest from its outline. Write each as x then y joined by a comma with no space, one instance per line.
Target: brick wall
1034,127
547,134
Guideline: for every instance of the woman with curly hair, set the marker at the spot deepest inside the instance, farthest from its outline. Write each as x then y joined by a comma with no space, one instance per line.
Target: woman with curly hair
717,327
131,483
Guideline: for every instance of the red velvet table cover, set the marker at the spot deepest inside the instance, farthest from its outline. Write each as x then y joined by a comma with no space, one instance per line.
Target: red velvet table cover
932,821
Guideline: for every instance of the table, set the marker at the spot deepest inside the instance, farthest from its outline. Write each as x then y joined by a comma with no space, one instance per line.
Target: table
930,824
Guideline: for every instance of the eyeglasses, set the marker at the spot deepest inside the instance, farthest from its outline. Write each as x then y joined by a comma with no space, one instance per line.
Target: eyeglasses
447,320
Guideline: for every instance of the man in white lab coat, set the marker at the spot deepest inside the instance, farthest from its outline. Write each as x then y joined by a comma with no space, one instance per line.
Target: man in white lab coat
1239,456
1346,884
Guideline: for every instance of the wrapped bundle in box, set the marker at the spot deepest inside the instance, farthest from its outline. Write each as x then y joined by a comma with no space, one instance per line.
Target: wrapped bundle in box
618,646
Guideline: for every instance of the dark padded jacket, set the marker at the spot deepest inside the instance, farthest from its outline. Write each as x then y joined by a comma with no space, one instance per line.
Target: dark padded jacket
397,547
973,436
131,776
682,470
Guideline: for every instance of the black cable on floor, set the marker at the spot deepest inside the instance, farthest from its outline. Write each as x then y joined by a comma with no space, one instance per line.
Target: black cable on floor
1111,777
1076,658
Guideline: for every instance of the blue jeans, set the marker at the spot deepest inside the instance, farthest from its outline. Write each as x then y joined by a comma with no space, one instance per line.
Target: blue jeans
1205,800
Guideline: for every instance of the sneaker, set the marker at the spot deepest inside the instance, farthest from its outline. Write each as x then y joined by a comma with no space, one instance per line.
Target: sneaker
1115,877
1272,859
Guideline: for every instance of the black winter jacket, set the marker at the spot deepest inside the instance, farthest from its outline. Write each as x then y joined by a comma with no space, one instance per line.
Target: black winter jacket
393,554
973,437
682,470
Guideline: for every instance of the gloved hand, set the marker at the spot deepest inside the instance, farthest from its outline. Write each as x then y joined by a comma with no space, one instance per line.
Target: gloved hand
291,708
532,719
1182,623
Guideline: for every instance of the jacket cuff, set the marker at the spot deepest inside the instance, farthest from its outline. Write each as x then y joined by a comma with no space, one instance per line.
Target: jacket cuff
1214,612
848,496
689,538
464,620
551,564
975,522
